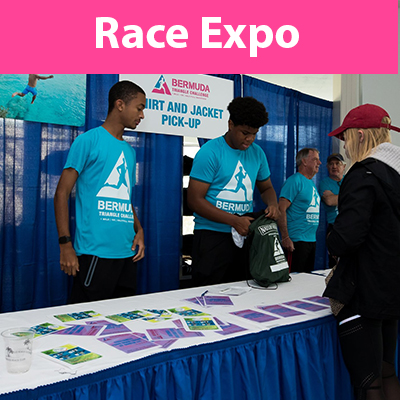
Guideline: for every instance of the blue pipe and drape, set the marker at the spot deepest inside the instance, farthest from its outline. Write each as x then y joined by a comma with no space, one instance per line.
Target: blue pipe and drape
32,156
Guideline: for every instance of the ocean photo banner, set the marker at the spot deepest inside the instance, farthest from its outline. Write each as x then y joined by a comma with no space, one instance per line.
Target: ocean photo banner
344,37
52,99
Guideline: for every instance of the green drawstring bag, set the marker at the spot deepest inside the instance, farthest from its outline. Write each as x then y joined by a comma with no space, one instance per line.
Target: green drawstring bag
267,261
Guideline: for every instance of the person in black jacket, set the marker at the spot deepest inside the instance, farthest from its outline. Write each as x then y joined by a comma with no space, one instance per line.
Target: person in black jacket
365,287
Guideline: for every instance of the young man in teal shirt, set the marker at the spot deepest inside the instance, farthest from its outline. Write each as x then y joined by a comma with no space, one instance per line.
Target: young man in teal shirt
225,172
109,238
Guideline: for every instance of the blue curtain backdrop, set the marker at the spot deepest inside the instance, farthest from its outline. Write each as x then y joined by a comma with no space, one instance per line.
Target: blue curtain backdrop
296,120
32,156
237,90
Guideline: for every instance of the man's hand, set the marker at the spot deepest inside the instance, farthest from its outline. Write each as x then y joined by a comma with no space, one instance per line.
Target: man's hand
272,212
68,259
242,224
139,243
288,244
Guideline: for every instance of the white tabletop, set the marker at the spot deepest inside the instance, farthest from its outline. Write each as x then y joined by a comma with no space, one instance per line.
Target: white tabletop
44,371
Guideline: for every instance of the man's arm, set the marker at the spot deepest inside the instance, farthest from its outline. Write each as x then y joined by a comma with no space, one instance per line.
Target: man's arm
268,196
44,77
287,243
197,202
329,198
68,259
138,241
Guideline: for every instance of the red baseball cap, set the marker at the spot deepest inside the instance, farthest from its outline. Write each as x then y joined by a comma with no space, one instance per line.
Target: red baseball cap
365,116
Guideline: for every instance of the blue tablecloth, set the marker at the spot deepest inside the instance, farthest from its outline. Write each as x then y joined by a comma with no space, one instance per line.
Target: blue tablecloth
295,358
297,362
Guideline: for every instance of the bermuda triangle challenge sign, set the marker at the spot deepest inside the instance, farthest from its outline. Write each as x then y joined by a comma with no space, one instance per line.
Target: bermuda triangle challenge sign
185,105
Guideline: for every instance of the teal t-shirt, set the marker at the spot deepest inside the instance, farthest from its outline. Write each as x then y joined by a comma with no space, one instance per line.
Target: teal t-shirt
334,187
104,217
232,175
303,213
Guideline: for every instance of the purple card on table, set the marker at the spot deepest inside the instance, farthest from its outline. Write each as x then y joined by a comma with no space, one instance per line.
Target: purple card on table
111,329
81,330
171,333
140,335
319,299
127,343
228,328
254,315
178,323
197,300
281,310
305,306
97,322
165,343
218,301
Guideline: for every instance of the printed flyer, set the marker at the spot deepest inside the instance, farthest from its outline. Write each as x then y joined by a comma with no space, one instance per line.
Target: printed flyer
254,315
201,324
129,316
281,310
128,343
187,312
304,305
71,354
71,317
45,329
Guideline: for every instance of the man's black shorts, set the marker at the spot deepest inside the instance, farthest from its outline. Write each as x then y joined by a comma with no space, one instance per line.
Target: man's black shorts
103,278
216,258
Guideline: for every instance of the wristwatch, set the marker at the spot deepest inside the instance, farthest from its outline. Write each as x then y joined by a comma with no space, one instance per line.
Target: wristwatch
64,239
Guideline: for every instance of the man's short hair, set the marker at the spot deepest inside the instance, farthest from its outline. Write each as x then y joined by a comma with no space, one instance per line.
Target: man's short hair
125,91
303,153
247,111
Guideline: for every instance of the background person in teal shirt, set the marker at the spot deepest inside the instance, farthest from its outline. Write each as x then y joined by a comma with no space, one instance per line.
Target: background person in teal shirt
329,191
299,206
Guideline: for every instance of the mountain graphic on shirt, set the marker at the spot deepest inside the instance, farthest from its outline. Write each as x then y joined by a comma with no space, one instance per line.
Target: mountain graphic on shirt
239,187
117,185
314,205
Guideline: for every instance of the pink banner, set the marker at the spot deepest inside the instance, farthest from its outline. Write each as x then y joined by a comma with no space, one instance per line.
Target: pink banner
253,37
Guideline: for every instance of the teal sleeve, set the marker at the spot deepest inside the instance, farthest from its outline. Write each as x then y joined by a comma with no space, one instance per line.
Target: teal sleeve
205,165
290,189
323,185
79,153
264,172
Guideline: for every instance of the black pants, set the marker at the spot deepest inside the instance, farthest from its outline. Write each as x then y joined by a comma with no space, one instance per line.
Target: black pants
366,343
216,258
303,257
103,278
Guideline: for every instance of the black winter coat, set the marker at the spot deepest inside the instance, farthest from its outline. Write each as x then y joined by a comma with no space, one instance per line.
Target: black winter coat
366,237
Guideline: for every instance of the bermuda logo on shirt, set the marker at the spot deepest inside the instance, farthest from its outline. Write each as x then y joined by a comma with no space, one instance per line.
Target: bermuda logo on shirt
237,195
239,187
117,185
313,209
